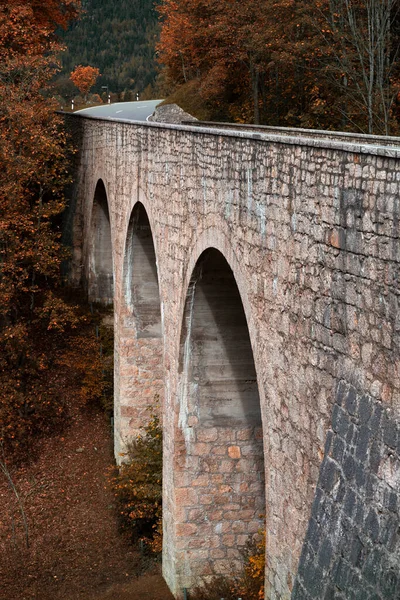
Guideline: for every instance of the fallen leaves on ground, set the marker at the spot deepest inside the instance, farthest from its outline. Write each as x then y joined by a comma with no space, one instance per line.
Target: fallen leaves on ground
76,551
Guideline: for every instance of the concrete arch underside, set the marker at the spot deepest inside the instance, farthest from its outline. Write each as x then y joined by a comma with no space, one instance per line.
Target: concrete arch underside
299,239
140,341
99,273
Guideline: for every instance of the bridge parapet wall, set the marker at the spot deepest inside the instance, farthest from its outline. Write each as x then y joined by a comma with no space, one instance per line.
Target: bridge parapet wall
310,229
304,134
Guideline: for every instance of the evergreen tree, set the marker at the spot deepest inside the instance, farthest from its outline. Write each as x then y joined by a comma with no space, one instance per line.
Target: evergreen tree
116,37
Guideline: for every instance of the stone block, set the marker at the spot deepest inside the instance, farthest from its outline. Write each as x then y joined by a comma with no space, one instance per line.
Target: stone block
187,497
234,452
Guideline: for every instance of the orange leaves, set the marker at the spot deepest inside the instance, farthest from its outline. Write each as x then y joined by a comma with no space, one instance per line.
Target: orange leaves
49,15
82,360
227,46
44,375
32,155
37,323
84,78
254,570
265,57
138,486
27,26
58,315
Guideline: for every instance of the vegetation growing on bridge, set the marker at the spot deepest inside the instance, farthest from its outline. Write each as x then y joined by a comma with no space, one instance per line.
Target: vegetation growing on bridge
137,486
247,584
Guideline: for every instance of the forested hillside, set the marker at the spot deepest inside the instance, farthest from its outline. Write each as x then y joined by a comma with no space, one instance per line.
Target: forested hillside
117,37
330,64
39,323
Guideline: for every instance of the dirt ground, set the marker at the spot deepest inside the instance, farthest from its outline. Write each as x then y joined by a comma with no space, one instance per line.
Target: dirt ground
75,549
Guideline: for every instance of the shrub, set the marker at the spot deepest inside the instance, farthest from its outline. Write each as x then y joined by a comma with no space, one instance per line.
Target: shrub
251,585
137,486
248,585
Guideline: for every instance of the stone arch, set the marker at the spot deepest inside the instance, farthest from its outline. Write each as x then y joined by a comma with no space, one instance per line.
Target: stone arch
100,272
219,237
219,460
139,353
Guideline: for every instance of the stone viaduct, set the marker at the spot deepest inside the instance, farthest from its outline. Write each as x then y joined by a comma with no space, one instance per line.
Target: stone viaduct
255,280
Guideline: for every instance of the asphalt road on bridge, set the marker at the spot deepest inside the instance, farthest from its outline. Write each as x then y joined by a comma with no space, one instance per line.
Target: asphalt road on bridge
133,111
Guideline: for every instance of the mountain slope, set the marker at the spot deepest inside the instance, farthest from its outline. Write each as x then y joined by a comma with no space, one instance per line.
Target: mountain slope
117,37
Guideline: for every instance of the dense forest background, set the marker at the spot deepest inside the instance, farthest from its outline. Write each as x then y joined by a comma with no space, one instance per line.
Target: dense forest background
326,64
119,38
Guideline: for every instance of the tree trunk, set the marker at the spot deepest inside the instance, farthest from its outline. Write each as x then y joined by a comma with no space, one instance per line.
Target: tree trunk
255,76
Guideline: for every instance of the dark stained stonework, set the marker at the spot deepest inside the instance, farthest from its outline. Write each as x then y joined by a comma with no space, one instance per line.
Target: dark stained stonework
352,547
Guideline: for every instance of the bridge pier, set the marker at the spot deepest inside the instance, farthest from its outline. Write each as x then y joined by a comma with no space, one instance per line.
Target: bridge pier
218,465
139,344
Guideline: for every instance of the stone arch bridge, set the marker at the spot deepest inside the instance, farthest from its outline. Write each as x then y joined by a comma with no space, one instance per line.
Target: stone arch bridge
255,281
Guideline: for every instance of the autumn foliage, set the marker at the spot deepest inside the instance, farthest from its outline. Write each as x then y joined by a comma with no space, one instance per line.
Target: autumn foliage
247,583
137,485
332,65
84,78
48,350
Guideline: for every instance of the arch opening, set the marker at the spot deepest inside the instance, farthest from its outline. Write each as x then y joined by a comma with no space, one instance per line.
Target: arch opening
100,279
139,359
141,281
220,426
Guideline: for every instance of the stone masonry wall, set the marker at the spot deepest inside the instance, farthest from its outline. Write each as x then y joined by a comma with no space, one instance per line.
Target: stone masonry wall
352,546
310,229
